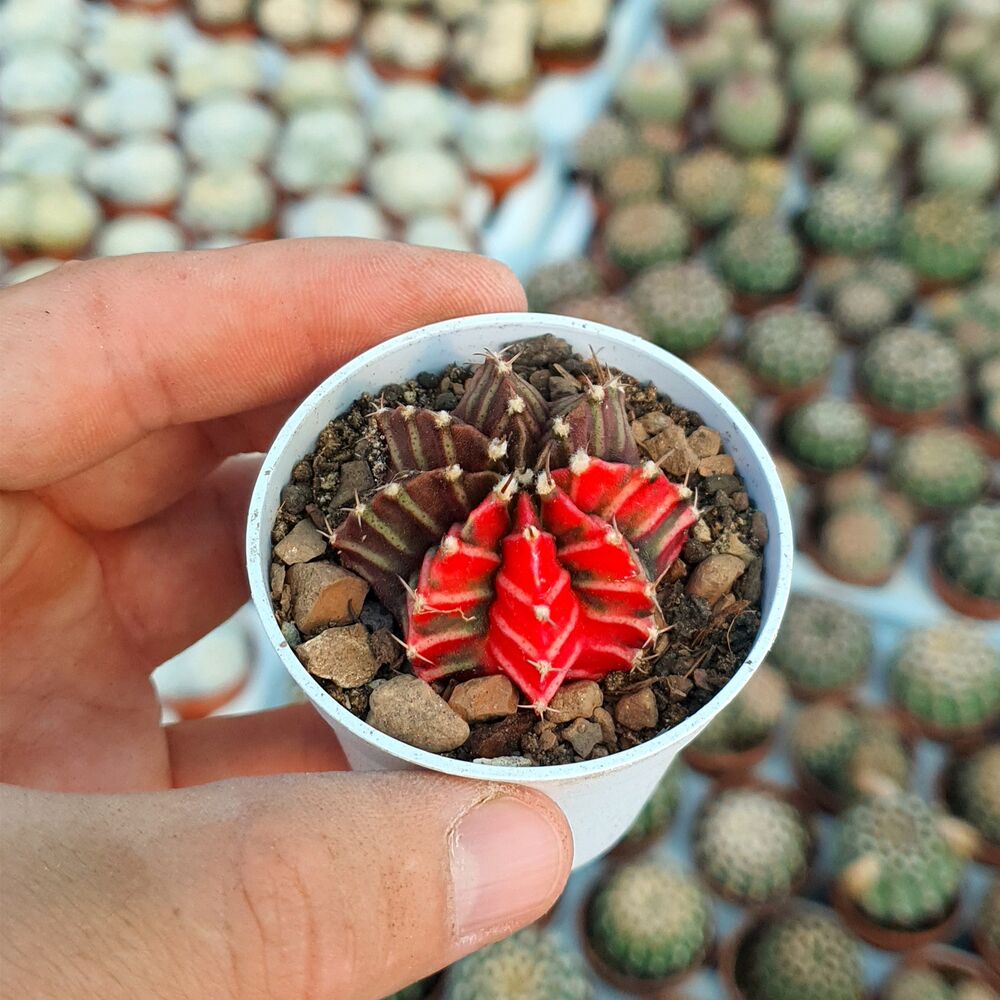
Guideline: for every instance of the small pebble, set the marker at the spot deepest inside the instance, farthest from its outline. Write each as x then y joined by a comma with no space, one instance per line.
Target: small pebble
323,594
609,734
484,698
301,544
277,580
715,577
575,701
758,528
735,546
716,465
583,736
678,688
386,650
445,401
407,709
741,501
705,442
356,479
341,655
637,710
722,484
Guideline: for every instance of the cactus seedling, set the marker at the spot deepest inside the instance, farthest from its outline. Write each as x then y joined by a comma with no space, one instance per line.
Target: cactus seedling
800,22
654,90
611,310
633,177
929,97
850,217
822,71
649,921
759,257
731,379
939,468
766,181
974,791
748,113
708,185
532,965
643,233
945,237
861,307
962,160
968,555
788,348
607,140
683,15
565,279
862,544
827,127
707,58
827,434
892,33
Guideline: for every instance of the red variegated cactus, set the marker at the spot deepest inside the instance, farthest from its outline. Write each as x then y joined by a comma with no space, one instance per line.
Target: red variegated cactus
519,537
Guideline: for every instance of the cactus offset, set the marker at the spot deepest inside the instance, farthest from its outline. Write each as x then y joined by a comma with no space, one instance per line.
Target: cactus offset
968,551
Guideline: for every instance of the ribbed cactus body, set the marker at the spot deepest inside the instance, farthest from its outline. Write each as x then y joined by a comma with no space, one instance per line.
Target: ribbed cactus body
939,468
751,717
968,550
827,434
975,791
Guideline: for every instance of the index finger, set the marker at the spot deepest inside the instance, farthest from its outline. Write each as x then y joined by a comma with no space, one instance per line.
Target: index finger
95,355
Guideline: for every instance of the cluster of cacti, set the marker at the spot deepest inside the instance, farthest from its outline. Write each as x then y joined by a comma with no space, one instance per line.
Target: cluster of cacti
849,753
826,128
685,14
731,378
968,551
853,218
892,33
682,306
751,718
487,543
801,952
822,646
928,97
962,159
565,279
789,347
751,845
635,176
945,237
748,112
708,185
974,791
642,233
660,808
759,257
654,90
800,22
947,677
862,544
650,921
988,921
910,371
897,861
827,434
939,468
821,71
532,965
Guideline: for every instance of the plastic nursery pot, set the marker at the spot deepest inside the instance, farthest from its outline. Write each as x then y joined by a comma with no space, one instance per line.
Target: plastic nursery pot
727,763
953,964
983,608
602,797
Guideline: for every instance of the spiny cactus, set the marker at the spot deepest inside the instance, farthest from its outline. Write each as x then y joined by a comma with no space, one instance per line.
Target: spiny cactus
633,177
947,677
827,434
892,33
968,551
564,279
654,90
945,237
821,71
800,22
962,159
606,140
707,58
708,185
788,347
751,845
822,646
907,370
750,719
850,217
894,276
917,984
827,126
611,310
650,921
660,808
939,468
975,791
862,544
861,307
683,306
731,379
759,257
830,272
766,183
748,113
643,233
928,97
801,952
685,14
895,861
532,965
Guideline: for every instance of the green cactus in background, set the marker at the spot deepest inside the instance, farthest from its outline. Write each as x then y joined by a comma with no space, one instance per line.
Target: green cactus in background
658,813
683,306
708,185
533,965
751,845
988,918
826,70
850,217
801,22
852,487
945,237
917,984
862,544
685,14
654,90
939,468
968,550
929,97
892,33
827,127
767,181
606,140
789,347
894,276
748,113
975,791
650,921
611,310
829,273
633,177
896,863
759,257
962,159
565,279
947,676
975,324
750,719
642,233
802,952
731,379
909,370
861,307
827,434
822,646
740,23
708,58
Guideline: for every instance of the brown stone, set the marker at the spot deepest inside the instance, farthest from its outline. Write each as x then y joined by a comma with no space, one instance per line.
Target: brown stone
716,465
715,577
277,580
609,734
407,709
638,431
655,421
547,740
758,527
637,710
678,687
484,698
735,546
301,544
701,532
583,736
386,650
356,479
670,450
705,442
341,655
500,739
741,501
575,701
323,594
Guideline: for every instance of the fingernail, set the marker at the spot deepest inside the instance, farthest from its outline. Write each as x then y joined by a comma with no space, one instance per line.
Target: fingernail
507,861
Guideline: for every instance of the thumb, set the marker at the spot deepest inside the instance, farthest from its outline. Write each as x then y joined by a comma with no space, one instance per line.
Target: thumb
339,885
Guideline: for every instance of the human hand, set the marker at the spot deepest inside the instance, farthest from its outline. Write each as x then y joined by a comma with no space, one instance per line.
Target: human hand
130,391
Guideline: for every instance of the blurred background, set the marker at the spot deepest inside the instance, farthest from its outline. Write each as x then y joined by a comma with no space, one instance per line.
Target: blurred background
800,197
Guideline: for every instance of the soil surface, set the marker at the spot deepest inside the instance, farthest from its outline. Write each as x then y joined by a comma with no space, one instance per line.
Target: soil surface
712,610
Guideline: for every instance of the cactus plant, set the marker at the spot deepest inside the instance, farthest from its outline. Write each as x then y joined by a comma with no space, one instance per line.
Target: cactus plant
740,23
829,273
893,275
962,159
766,182
606,140
968,551
827,126
827,434
862,544
822,646
947,678
731,378
800,22
850,217
751,845
861,307
800,952
987,932
939,468
748,113
892,33
759,257
532,965
633,177
564,279
821,71
650,921
660,808
707,58
654,90
896,861
683,306
750,720
684,15
975,323
974,791
643,233
928,97
708,185
917,984
945,237
788,347
611,310
852,487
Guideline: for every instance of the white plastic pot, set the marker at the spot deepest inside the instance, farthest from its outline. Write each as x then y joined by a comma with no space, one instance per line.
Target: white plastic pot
599,797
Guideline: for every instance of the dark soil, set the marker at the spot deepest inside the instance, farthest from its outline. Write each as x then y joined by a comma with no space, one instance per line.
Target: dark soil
704,646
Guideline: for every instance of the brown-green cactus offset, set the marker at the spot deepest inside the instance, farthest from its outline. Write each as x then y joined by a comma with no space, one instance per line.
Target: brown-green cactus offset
827,434
643,233
945,237
759,257
974,791
789,347
939,468
851,217
633,177
750,719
